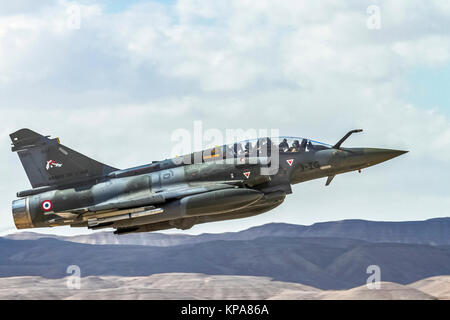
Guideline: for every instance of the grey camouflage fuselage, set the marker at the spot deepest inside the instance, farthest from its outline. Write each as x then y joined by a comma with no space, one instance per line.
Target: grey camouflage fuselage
220,184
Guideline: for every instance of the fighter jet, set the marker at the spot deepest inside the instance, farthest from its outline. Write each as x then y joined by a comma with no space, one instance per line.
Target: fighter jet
226,182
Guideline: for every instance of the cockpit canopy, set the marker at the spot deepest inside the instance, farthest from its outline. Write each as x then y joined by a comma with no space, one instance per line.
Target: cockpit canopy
263,147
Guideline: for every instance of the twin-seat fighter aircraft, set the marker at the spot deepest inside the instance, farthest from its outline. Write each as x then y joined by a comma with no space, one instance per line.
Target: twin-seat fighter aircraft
228,182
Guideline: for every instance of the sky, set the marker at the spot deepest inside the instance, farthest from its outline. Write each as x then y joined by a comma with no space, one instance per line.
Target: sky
115,79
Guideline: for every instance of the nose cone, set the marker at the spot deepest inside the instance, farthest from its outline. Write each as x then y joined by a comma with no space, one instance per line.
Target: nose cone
374,156
358,158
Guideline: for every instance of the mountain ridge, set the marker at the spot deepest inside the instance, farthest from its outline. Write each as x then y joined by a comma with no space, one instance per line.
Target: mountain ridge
433,231
325,263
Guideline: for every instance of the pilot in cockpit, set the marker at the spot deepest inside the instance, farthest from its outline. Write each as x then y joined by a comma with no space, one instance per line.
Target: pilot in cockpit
284,146
303,145
237,148
229,151
247,148
295,146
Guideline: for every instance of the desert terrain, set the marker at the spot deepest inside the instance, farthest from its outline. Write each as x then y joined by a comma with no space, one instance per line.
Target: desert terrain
200,286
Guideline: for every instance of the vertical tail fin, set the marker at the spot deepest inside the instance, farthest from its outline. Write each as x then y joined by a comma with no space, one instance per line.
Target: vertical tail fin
49,163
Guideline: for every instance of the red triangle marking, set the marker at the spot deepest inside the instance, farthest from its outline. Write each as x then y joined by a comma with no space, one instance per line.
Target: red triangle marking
247,174
290,162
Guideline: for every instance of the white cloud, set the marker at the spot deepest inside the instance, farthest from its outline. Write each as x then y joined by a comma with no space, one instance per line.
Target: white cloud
116,88
432,50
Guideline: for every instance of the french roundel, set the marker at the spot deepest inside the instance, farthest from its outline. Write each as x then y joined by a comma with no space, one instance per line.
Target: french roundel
47,205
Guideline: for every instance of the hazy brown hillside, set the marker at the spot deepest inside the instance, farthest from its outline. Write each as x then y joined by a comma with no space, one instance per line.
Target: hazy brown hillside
200,286
332,255
436,286
325,263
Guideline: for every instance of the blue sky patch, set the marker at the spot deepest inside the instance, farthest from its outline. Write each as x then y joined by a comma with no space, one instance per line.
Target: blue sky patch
429,88
114,6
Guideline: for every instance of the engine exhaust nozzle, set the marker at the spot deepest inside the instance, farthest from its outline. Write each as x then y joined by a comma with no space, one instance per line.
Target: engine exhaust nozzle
21,214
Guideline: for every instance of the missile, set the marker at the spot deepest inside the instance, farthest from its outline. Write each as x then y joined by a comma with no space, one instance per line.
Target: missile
207,203
103,222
